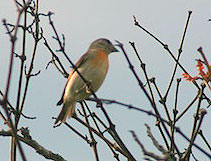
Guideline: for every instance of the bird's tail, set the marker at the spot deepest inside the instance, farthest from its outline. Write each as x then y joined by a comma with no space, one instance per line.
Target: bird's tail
67,110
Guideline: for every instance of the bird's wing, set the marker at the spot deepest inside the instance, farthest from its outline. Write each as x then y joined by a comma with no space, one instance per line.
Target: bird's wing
61,99
81,61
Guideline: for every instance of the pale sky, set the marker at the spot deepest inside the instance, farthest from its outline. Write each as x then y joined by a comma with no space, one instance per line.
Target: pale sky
85,21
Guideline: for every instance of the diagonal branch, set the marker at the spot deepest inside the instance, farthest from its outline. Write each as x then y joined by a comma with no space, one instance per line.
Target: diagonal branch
165,46
93,143
153,105
178,55
36,146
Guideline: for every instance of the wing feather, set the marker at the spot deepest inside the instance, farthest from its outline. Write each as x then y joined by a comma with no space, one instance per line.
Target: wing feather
81,61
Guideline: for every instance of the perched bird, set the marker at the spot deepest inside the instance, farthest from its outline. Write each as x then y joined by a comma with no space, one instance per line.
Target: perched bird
93,66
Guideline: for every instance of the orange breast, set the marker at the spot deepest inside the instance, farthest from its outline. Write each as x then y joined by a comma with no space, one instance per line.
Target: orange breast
100,59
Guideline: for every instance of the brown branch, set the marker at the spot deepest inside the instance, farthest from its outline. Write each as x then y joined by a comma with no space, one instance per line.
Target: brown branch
99,134
165,46
85,138
178,54
143,66
153,105
23,55
186,155
155,142
196,116
114,146
27,139
13,38
175,112
13,141
147,153
37,35
93,142
92,116
129,106
95,119
14,111
195,145
62,70
162,99
204,139
187,108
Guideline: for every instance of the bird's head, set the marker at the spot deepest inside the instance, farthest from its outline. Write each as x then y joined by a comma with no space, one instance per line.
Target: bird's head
103,44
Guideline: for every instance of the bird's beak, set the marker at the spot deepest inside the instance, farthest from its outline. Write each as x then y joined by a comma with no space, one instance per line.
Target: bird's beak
114,49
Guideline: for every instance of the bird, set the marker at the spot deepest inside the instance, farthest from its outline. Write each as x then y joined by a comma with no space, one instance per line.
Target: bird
93,66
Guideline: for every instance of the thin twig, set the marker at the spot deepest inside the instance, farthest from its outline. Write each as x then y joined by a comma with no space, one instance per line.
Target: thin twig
155,142
162,133
85,138
204,139
93,143
195,127
63,71
195,145
186,155
37,35
174,115
101,136
129,106
36,146
153,105
165,46
187,108
92,116
162,99
95,118
178,55
196,116
14,111
145,152
143,66
13,38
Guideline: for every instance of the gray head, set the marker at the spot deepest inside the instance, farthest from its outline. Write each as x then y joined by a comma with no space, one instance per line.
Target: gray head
103,44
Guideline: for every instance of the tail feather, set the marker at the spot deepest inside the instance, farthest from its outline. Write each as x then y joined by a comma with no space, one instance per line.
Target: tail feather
67,111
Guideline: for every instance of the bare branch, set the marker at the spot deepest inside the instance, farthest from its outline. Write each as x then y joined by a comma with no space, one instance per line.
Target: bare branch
178,54
27,139
147,153
153,105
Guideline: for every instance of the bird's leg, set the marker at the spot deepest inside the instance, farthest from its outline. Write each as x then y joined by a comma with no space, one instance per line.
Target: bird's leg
89,87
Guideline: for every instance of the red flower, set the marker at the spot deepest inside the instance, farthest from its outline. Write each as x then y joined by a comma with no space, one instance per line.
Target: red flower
205,76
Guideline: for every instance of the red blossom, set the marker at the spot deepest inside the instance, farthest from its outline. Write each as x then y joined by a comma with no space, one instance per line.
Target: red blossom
206,76
189,78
